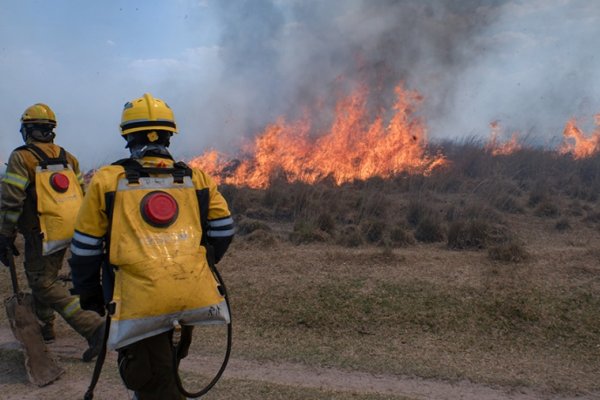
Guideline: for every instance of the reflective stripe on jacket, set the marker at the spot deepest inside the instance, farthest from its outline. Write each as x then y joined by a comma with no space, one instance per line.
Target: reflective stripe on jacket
18,202
145,255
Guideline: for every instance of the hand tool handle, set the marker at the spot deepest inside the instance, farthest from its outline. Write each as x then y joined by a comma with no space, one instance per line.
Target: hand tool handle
13,270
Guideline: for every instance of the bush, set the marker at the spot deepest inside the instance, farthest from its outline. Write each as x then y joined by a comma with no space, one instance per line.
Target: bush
537,195
417,210
258,213
473,234
307,232
593,217
547,208
240,199
373,204
575,209
373,231
471,211
562,225
400,236
350,236
275,195
248,225
261,237
326,223
509,204
509,252
429,230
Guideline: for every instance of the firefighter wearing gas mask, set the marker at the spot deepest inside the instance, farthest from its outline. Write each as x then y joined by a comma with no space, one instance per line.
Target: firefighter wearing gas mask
146,231
41,194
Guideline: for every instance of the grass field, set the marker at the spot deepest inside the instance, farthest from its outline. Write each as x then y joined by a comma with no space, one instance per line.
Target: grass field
487,272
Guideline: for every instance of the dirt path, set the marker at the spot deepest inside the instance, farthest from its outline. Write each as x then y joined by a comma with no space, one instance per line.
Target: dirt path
360,382
73,384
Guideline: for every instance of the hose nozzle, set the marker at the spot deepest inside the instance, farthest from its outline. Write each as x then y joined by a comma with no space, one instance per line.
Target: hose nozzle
176,333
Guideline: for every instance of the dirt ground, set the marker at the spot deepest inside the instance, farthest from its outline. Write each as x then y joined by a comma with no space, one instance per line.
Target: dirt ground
303,362
67,349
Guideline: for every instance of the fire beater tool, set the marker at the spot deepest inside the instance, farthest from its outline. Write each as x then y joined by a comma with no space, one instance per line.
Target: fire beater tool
41,367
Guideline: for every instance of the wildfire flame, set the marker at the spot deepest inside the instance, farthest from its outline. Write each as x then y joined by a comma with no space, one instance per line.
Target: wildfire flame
355,147
576,143
500,149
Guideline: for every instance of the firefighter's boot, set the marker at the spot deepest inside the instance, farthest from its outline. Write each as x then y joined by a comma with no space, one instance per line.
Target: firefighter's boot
48,332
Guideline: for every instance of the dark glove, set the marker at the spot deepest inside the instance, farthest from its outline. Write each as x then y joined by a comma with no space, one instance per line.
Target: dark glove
7,244
93,301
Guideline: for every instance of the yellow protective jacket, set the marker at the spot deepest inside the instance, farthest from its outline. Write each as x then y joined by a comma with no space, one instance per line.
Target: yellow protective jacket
151,227
19,201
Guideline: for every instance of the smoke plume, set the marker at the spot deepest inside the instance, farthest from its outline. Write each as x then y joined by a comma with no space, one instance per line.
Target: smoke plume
525,64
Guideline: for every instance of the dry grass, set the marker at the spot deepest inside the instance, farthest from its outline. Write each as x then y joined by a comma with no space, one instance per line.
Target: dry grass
354,277
474,187
248,390
379,293
423,310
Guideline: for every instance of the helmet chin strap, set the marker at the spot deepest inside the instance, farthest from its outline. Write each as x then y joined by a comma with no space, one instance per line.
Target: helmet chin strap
139,151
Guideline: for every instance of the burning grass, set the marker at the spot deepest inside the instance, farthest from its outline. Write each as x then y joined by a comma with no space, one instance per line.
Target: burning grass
355,146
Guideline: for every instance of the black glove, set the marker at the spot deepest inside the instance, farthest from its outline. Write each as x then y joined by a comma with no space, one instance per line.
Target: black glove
93,301
7,243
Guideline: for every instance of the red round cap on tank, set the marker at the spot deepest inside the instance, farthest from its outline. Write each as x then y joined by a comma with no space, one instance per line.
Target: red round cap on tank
59,182
159,209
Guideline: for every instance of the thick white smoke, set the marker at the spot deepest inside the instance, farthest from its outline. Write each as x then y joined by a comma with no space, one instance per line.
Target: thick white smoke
530,64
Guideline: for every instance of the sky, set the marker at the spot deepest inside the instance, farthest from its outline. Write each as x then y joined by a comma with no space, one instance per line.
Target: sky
229,68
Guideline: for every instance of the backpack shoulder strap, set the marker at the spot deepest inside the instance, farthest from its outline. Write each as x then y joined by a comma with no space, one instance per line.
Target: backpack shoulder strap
134,170
43,158
36,151
124,161
62,156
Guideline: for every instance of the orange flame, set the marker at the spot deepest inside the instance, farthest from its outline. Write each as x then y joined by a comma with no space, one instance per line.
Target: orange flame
576,143
501,149
353,148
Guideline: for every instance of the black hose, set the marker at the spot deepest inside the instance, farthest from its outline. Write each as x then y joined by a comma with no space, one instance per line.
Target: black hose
225,359
89,394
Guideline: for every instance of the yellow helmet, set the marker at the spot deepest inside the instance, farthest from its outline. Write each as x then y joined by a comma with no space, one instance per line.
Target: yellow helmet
147,113
39,114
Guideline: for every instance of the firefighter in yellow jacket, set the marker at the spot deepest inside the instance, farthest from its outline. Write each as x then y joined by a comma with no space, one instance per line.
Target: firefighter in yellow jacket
157,223
41,194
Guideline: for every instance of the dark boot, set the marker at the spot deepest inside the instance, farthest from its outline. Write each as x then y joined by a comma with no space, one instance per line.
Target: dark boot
95,344
48,332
